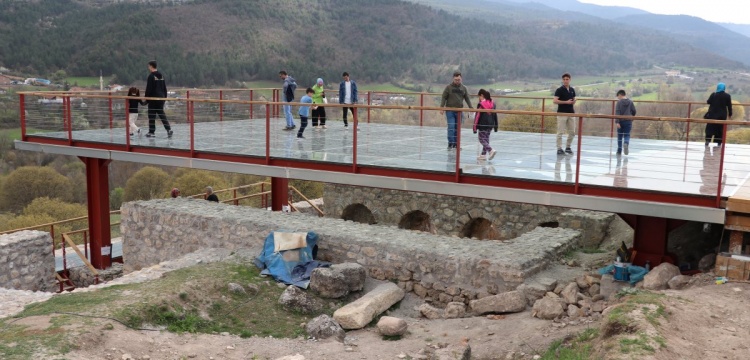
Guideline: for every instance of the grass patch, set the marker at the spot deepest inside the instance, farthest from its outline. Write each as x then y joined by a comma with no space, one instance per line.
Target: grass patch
592,251
22,342
572,348
84,81
636,345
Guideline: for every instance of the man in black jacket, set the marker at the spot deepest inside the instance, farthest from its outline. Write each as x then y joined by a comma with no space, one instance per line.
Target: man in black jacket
156,87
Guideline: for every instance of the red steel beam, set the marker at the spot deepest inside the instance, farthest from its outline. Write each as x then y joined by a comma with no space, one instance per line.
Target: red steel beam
97,193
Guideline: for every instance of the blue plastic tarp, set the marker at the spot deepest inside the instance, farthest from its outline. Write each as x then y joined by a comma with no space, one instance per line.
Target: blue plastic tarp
281,264
636,272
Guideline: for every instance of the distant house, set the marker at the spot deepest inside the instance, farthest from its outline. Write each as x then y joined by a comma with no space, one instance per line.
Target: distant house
673,72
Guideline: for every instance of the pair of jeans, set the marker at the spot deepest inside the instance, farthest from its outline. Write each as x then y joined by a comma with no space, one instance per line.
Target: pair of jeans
566,124
288,115
302,125
453,118
156,108
347,109
484,139
623,133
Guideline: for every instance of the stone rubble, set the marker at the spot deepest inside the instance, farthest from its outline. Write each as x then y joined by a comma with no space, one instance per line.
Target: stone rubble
28,263
359,313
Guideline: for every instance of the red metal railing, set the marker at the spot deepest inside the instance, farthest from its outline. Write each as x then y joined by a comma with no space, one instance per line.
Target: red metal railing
272,109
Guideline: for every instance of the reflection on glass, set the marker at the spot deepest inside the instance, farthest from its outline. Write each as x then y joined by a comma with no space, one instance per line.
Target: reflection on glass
568,168
621,172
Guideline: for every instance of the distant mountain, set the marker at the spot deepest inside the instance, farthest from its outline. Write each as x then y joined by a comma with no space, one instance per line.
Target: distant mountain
216,42
698,32
743,29
604,12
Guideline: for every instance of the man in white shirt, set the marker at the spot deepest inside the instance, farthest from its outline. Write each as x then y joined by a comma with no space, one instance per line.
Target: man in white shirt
347,95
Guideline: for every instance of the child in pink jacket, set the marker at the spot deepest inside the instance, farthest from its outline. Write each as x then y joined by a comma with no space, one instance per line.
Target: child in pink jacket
484,123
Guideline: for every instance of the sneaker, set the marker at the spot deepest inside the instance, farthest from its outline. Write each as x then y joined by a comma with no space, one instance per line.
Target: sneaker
560,152
482,157
300,137
139,132
324,127
346,125
150,135
169,133
626,148
492,154
287,128
294,126
131,134
450,146
568,151
619,151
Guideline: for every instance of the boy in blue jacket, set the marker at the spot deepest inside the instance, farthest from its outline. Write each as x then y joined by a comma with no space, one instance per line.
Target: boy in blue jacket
304,112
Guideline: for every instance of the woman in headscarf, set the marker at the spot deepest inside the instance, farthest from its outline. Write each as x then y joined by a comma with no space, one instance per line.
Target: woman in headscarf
318,111
719,108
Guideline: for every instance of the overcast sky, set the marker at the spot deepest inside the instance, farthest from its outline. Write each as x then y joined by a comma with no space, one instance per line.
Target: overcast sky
732,11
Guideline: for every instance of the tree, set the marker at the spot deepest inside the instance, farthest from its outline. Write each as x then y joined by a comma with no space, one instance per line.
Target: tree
115,198
528,123
55,208
27,183
193,182
146,184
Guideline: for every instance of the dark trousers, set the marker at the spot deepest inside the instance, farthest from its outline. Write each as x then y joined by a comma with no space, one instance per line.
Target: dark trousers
156,108
319,115
346,110
484,139
302,125
715,130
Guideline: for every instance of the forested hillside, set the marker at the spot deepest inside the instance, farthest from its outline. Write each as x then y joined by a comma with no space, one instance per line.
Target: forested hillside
213,42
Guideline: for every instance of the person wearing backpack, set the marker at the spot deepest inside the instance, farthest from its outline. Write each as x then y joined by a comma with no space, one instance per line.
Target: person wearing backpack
484,123
288,95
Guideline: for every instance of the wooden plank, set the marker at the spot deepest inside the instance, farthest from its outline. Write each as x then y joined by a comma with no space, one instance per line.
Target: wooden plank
80,254
738,205
737,220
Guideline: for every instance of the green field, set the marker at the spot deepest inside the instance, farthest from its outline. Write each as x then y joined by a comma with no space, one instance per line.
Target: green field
83,80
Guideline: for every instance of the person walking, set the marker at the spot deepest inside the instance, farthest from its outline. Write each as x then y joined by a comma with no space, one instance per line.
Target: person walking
484,123
347,96
304,112
454,96
318,111
133,110
156,87
565,98
719,108
288,93
210,196
625,107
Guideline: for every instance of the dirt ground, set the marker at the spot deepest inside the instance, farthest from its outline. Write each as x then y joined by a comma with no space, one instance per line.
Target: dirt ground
705,322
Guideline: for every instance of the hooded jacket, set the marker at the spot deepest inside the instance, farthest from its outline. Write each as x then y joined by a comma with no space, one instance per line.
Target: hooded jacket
625,107
289,86
485,121
319,92
156,87
454,96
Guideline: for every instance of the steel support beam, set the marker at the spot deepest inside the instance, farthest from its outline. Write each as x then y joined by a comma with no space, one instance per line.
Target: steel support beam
279,193
97,193
650,238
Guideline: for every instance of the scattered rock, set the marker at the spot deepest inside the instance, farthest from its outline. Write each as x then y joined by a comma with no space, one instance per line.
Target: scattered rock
359,313
454,352
431,312
594,290
570,293
707,263
455,310
292,357
609,286
547,308
338,280
254,289
598,306
592,279
296,299
598,297
324,327
574,311
559,288
582,283
236,288
508,302
548,283
126,357
679,282
658,278
495,317
572,263
532,292
392,326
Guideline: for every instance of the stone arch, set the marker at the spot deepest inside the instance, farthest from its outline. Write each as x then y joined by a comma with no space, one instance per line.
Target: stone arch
417,220
358,213
550,224
480,228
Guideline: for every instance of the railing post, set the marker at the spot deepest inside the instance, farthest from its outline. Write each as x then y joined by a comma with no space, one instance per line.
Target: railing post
687,132
69,116
86,245
65,258
721,164
127,126
459,117
543,107
268,133
369,103
236,202
578,155
263,196
421,111
191,119
111,117
612,124
22,109
354,141
52,234
251,104
221,106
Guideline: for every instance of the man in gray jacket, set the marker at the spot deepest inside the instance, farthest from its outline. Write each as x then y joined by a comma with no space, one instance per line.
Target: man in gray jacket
454,96
625,107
